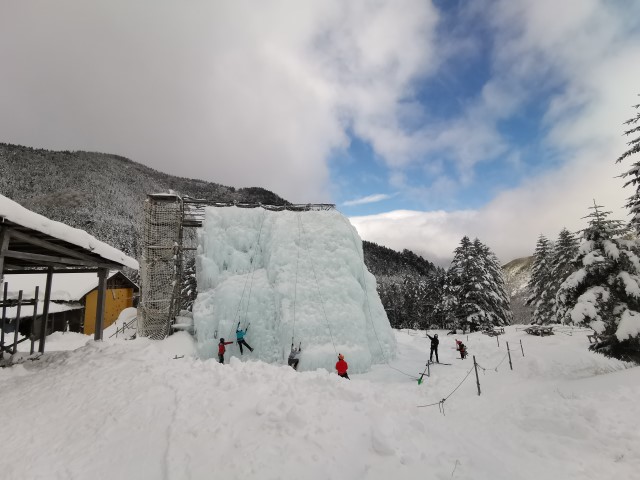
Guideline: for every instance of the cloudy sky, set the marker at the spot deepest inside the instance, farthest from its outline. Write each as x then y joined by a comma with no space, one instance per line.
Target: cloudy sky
422,120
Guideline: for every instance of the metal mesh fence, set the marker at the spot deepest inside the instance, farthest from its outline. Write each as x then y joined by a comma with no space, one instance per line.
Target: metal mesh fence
160,266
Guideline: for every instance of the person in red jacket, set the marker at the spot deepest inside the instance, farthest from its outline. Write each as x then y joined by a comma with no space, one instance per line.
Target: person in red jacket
222,349
341,367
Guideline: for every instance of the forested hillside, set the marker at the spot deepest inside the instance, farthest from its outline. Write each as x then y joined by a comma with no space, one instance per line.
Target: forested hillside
101,193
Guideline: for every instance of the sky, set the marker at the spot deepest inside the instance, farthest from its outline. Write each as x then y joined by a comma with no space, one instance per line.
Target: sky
423,121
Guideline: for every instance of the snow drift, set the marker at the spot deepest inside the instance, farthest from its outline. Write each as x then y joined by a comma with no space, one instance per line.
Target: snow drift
292,277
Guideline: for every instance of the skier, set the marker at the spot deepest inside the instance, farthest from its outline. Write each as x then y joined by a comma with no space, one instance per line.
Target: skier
222,349
240,338
434,347
294,356
461,348
341,367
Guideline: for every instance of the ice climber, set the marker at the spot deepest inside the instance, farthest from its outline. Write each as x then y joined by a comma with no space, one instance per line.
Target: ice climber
341,367
294,356
434,347
222,349
240,338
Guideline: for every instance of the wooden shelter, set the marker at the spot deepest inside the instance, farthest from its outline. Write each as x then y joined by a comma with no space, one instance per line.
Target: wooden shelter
31,243
73,299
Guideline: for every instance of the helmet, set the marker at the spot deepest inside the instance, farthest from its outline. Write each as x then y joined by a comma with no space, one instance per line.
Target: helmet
340,356
221,340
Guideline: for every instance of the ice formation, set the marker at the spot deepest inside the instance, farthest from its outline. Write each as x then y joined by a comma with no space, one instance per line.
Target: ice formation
292,277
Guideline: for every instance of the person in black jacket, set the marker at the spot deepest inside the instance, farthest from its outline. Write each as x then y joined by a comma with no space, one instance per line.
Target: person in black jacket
434,347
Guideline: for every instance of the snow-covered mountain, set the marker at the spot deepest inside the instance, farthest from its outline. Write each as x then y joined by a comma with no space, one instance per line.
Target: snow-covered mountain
104,194
517,274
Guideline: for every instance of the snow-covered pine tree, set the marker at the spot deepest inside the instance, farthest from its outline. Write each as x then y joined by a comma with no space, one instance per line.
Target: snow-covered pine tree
563,262
604,293
541,295
477,303
633,174
496,291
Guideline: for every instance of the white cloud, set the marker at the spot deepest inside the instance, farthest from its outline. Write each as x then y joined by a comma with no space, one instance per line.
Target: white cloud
368,199
243,93
590,52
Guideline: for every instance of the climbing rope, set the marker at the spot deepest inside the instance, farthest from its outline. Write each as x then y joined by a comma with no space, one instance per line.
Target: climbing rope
313,269
295,287
253,271
366,295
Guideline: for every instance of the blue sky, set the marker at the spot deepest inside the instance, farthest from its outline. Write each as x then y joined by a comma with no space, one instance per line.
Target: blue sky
423,121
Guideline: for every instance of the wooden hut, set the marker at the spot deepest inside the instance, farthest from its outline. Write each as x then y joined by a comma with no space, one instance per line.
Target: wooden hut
74,298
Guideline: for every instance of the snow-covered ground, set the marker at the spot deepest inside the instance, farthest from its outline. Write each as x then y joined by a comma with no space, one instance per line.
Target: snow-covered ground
130,409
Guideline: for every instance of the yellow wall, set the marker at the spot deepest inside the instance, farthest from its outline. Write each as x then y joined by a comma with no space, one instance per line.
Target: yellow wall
117,299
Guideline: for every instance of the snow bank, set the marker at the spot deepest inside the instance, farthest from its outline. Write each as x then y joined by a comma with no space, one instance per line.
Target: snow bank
132,410
291,276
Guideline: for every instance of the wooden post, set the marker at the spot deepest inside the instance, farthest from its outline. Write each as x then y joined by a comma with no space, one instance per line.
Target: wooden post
17,324
33,320
509,353
45,310
475,365
4,318
521,348
498,340
103,273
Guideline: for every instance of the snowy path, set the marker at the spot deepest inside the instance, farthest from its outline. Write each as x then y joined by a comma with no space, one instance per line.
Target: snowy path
127,409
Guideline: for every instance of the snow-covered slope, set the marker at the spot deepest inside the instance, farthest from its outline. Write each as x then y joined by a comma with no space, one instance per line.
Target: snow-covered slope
290,276
131,410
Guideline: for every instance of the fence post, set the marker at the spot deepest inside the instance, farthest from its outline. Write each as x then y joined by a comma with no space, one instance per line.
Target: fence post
521,348
498,340
475,366
509,353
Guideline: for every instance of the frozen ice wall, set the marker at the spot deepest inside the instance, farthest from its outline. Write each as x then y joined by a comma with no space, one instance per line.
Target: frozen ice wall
290,276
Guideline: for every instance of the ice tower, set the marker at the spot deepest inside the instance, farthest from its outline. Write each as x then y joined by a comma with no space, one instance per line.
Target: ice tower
288,276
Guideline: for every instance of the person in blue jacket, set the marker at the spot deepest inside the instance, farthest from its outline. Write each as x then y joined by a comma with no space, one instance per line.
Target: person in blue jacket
240,338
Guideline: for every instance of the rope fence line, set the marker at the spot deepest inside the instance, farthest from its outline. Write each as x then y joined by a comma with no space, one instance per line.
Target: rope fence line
441,402
475,367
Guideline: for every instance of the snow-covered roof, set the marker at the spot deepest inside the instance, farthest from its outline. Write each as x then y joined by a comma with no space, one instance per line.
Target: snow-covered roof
26,311
16,213
65,287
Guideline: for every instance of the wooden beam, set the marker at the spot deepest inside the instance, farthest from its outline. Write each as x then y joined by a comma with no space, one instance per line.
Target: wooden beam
24,271
100,306
45,310
49,245
50,259
5,236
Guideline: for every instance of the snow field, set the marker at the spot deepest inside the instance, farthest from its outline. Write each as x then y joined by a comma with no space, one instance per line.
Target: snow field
290,276
127,409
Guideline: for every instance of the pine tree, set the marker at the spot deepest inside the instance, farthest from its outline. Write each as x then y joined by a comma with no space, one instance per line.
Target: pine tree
540,289
476,283
633,174
563,262
498,298
604,293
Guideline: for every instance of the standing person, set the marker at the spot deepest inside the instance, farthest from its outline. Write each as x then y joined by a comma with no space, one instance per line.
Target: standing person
434,347
341,367
222,349
294,356
240,338
461,348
